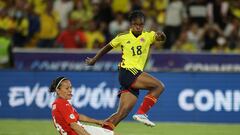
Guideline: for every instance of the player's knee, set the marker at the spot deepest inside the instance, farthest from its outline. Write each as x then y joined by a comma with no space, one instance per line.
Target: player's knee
158,85
161,87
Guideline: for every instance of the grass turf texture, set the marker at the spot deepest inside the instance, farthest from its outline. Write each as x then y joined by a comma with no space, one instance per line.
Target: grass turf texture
45,127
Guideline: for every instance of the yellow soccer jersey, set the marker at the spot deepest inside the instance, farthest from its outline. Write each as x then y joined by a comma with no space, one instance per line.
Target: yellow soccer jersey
134,49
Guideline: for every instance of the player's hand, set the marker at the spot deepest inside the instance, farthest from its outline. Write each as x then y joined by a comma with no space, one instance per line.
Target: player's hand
90,61
160,36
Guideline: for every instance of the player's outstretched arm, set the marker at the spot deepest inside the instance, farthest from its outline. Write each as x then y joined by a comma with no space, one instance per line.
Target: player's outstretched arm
160,36
78,129
85,118
100,53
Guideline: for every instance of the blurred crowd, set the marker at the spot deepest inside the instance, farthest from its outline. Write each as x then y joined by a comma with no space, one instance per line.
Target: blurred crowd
190,25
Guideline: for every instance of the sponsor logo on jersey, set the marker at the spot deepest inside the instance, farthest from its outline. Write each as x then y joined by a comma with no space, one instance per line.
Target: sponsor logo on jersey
72,116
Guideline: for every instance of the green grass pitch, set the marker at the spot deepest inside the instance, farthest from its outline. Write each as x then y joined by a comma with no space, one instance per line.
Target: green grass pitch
45,127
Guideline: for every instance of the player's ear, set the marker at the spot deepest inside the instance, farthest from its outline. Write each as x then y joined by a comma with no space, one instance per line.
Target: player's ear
57,91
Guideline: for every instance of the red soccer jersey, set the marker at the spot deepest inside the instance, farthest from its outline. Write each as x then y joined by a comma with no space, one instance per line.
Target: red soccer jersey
63,114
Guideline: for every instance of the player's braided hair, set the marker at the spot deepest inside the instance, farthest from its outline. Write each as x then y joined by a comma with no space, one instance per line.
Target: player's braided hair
136,14
56,83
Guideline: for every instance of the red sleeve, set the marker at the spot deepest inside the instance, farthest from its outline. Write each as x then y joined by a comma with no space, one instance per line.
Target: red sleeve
60,37
82,36
67,112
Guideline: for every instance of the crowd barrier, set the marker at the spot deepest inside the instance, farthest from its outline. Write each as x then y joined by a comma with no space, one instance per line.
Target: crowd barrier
188,97
73,60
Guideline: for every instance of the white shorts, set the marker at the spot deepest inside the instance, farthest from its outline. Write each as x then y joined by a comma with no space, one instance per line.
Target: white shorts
93,130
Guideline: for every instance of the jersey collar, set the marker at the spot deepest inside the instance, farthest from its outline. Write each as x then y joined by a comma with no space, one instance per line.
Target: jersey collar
130,31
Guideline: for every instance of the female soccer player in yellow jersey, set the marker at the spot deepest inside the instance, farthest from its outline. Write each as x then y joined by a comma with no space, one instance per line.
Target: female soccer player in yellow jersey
135,46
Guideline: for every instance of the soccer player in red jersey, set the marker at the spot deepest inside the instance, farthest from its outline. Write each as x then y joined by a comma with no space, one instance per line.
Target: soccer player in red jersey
135,45
66,119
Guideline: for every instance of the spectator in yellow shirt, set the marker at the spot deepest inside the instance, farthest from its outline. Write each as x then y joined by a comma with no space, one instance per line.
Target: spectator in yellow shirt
39,5
19,14
6,22
123,6
183,45
49,27
95,38
81,11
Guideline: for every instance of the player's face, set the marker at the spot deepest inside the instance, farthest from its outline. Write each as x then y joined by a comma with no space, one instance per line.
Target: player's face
65,90
137,25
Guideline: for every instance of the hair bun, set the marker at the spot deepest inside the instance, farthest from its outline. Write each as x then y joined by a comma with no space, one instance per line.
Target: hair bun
55,83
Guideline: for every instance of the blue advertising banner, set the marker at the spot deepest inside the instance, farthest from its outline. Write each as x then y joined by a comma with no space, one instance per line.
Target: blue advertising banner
189,97
65,60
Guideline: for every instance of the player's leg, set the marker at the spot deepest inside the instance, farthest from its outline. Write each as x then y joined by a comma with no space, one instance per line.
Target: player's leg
93,130
150,83
126,103
155,88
